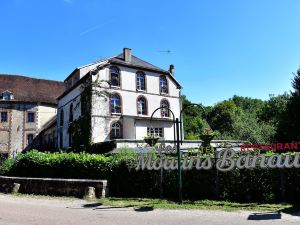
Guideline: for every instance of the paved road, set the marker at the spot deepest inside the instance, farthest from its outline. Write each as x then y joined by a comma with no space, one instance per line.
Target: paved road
42,211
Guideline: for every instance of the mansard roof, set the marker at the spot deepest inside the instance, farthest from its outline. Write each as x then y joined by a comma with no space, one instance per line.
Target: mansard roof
27,89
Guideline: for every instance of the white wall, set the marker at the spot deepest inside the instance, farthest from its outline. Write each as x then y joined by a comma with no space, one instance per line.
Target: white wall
129,94
133,128
73,97
45,114
141,128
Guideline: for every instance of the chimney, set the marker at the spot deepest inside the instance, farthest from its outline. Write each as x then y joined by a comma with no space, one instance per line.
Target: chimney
171,70
127,55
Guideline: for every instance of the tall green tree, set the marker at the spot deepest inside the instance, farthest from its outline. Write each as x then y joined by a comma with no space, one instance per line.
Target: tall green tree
289,125
274,109
194,120
222,116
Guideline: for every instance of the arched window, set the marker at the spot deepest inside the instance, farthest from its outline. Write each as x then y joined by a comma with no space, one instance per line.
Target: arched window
140,81
164,111
61,119
115,103
71,113
142,106
163,83
115,76
116,131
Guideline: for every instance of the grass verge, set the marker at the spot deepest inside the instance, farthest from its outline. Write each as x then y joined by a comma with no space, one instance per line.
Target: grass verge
201,204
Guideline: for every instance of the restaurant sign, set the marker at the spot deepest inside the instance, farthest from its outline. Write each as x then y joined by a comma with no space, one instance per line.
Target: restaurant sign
224,160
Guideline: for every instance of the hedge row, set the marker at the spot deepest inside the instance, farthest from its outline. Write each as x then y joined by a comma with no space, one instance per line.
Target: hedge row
260,185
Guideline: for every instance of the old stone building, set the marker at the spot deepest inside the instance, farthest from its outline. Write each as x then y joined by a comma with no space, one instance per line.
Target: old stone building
26,106
133,89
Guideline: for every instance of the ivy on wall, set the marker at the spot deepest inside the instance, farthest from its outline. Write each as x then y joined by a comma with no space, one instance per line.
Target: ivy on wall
81,128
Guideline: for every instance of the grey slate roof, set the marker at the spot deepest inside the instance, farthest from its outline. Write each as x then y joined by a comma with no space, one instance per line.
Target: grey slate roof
135,61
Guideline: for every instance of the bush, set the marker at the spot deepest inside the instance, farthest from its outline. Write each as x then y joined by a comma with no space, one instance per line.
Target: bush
60,165
6,165
259,185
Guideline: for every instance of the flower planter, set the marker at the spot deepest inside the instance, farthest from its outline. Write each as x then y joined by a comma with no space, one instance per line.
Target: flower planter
206,138
151,140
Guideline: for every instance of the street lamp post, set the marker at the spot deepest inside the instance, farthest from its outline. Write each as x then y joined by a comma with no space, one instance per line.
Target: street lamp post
177,141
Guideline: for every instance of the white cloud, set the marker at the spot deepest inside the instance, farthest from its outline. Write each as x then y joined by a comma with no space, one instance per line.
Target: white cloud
95,27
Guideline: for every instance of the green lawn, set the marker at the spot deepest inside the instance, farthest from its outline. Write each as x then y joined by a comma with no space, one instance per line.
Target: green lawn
201,204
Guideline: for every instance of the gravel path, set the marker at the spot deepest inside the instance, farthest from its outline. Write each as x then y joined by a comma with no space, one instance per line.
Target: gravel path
24,210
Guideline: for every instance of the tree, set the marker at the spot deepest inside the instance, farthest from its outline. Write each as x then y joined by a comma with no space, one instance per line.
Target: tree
194,120
247,127
247,104
288,128
222,116
274,109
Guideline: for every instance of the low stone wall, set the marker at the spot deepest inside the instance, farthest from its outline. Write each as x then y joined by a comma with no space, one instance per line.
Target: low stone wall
140,145
56,187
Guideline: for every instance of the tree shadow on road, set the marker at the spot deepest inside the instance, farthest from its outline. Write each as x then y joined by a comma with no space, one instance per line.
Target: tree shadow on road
99,206
293,211
144,209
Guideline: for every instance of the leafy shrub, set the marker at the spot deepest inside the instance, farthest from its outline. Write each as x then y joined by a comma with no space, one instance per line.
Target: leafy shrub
6,165
259,185
62,165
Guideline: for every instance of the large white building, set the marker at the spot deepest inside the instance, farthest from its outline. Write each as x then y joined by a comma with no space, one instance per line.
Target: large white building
120,107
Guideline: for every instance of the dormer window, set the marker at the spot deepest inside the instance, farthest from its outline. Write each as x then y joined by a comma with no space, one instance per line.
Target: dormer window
6,96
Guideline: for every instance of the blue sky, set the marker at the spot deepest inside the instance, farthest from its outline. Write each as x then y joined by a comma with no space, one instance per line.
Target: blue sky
219,48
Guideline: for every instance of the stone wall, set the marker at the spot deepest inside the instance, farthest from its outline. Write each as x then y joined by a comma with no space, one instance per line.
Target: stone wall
14,132
57,187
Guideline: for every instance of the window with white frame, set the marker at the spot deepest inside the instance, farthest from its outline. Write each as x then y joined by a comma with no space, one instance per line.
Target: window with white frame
165,111
140,81
116,131
115,76
115,104
142,106
163,83
6,96
156,131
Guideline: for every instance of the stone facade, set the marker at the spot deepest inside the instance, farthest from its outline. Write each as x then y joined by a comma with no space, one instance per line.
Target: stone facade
26,106
18,134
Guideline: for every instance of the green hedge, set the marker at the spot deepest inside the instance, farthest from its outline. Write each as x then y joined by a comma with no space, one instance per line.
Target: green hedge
62,165
259,185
